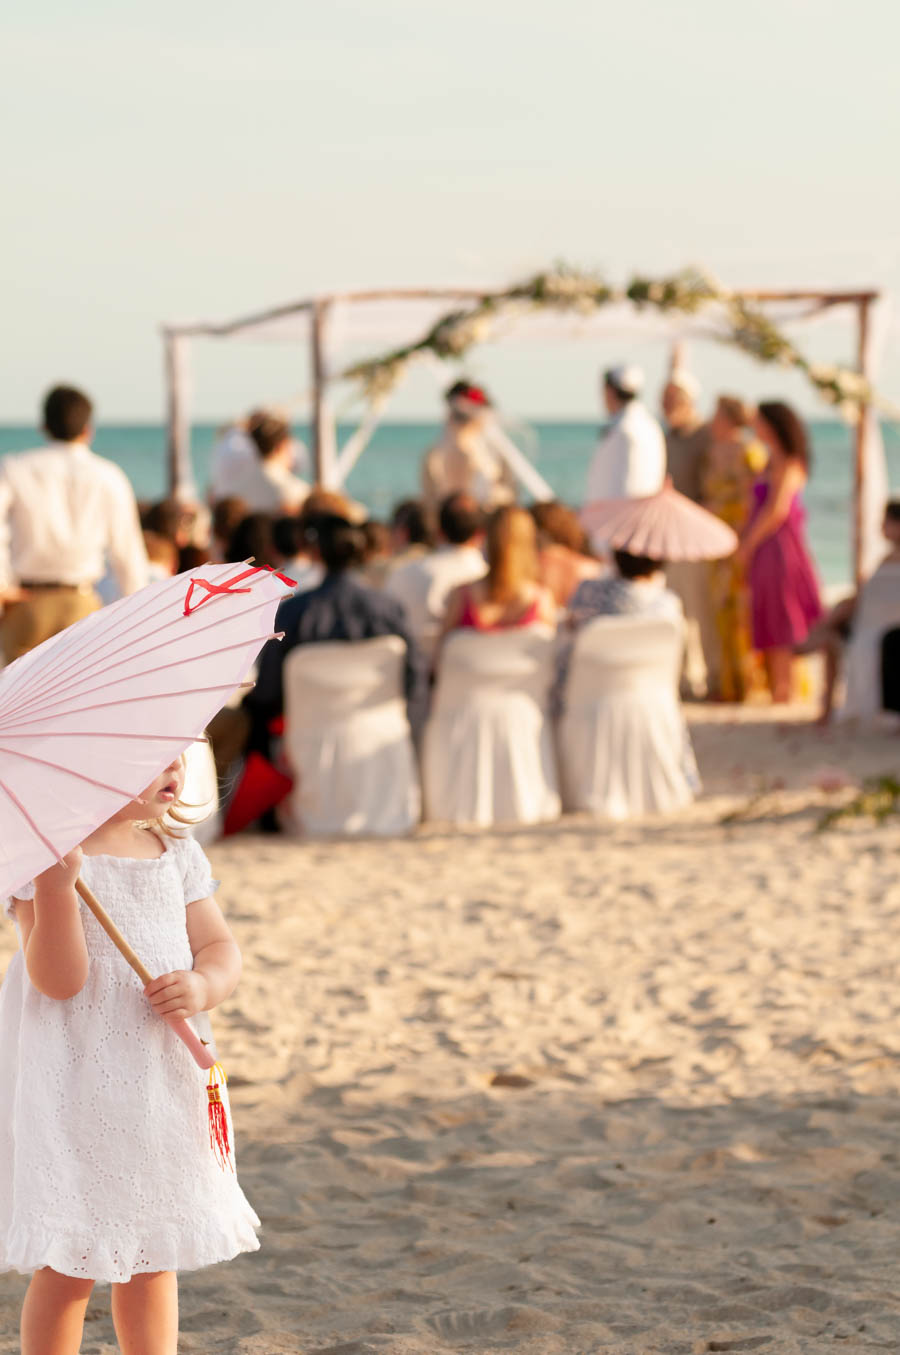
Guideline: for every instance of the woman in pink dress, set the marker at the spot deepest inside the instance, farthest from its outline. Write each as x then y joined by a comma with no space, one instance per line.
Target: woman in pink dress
784,589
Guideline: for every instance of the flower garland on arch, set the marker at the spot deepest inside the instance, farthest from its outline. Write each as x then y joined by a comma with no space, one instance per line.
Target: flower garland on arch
564,289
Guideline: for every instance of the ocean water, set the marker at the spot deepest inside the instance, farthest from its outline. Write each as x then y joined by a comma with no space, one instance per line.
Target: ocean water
389,469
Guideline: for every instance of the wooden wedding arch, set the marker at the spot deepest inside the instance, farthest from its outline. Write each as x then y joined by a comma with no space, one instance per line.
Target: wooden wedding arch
331,467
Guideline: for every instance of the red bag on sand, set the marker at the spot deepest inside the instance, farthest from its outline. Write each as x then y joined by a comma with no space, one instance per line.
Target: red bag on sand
261,787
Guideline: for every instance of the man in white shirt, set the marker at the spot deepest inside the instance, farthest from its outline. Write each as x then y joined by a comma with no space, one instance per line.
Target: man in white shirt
630,460
235,454
425,584
267,484
63,512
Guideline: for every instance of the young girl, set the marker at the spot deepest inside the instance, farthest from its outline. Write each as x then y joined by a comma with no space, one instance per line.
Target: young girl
107,1169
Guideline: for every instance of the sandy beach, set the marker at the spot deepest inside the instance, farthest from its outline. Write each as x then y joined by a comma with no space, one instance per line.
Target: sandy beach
576,1089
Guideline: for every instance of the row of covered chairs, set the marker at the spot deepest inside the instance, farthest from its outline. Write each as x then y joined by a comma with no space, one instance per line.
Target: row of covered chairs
491,753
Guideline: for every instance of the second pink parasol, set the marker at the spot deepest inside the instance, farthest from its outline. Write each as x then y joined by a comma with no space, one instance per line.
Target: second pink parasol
666,526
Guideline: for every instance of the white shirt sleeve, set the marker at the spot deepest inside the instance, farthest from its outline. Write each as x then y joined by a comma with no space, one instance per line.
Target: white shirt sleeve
6,574
125,543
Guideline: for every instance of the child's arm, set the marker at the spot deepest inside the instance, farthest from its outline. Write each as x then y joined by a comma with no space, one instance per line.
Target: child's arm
217,966
52,935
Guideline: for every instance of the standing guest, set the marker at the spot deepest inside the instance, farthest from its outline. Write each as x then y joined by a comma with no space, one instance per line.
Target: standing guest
412,532
464,461
268,485
424,585
234,453
630,460
734,460
784,590
510,595
63,512
688,441
564,555
341,608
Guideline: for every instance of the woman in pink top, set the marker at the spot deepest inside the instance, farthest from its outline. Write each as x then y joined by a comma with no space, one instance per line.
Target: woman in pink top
509,595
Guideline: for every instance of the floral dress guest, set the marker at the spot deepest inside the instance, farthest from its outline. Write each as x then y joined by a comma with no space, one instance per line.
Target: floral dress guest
784,589
733,462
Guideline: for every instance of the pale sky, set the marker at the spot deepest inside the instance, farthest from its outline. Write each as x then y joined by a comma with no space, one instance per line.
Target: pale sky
184,160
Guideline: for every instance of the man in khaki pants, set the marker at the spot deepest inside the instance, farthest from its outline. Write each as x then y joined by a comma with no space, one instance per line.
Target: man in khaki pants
63,513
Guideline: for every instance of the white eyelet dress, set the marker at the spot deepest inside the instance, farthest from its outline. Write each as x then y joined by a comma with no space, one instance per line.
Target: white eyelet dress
106,1166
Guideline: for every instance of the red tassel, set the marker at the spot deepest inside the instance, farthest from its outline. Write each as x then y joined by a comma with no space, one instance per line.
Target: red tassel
218,1120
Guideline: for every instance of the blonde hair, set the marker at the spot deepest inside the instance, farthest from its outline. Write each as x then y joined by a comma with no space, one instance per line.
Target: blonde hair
177,818
735,410
511,548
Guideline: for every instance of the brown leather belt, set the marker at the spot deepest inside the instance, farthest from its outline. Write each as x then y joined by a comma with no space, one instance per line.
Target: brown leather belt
31,587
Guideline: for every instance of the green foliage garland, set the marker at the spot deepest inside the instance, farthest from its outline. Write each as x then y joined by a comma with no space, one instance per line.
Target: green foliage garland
569,290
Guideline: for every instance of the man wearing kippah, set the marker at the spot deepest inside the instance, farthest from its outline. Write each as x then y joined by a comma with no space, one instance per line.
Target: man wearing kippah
630,460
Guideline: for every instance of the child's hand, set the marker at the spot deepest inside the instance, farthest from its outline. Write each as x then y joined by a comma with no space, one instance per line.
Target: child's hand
182,993
61,876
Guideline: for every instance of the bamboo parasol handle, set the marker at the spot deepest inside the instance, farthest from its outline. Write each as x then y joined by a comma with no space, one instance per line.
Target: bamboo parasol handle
202,1054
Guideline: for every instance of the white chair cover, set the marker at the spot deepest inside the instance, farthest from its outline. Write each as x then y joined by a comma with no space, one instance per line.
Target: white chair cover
347,739
622,737
877,611
488,755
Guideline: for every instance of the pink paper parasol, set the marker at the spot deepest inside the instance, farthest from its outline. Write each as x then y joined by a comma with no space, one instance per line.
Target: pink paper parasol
666,526
93,715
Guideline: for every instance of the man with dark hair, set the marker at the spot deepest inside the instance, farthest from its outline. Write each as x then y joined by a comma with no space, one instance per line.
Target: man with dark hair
64,514
424,585
412,531
342,607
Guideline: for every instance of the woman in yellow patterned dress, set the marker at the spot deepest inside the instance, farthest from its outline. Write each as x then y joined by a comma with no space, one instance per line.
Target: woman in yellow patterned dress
733,463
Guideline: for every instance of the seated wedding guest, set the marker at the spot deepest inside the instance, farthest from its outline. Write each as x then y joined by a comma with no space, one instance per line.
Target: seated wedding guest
857,626
425,584
268,485
298,560
162,556
341,608
509,595
412,532
64,512
226,514
253,539
377,557
637,588
564,554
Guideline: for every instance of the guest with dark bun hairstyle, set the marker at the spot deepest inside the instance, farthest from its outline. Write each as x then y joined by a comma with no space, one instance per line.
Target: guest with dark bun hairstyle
343,607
